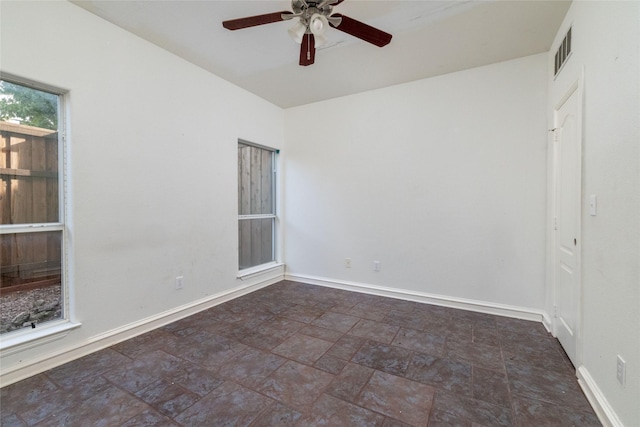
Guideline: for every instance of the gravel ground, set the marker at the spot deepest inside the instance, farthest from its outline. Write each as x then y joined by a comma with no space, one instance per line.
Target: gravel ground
40,305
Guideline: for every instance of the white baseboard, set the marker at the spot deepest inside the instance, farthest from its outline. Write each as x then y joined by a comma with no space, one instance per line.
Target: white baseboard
131,330
601,406
444,301
546,322
107,339
598,401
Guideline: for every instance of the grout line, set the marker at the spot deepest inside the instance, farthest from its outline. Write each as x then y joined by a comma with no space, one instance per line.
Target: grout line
506,375
215,371
361,389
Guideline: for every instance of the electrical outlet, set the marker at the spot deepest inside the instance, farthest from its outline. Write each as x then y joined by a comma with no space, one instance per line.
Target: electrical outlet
347,262
179,282
376,265
593,205
621,371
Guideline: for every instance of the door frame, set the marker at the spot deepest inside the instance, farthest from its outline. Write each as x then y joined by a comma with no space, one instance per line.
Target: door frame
576,87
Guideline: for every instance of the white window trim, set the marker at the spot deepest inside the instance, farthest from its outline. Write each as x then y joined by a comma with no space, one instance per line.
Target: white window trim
250,272
26,338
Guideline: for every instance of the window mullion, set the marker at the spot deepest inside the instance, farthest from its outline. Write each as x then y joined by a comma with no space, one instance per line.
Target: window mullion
256,216
31,228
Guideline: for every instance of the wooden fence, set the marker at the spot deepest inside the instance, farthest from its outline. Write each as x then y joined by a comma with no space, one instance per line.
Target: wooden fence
29,195
255,196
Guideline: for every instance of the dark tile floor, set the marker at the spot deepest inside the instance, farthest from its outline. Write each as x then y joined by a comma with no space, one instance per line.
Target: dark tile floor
296,354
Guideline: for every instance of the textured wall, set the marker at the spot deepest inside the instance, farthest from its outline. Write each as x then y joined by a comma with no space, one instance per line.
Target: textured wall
153,160
441,180
606,44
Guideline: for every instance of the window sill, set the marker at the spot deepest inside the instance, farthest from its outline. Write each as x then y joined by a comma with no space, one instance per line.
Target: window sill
254,271
23,340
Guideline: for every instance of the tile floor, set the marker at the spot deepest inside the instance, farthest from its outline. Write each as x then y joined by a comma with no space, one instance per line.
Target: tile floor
303,355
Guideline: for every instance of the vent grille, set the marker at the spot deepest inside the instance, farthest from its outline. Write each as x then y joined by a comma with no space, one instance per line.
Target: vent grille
563,53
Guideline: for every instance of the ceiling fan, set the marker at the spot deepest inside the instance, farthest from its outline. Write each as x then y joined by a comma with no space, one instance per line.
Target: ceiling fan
313,19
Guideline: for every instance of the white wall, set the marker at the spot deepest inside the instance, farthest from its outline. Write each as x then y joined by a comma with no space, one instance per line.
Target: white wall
153,150
442,180
606,42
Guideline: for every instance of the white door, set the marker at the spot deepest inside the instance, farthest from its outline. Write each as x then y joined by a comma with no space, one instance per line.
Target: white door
568,188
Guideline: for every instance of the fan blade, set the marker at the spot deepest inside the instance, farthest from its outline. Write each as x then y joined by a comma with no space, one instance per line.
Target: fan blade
307,50
252,21
362,31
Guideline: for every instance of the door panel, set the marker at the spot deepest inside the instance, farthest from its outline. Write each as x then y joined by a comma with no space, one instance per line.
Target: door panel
568,198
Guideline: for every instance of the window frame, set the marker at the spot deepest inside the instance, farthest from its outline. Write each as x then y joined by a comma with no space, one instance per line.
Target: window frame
273,215
21,339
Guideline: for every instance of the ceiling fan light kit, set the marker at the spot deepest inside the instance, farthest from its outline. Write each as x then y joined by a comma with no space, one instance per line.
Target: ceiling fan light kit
317,25
313,19
297,31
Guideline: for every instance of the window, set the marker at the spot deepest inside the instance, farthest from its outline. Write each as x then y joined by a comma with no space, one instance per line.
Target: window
256,205
31,214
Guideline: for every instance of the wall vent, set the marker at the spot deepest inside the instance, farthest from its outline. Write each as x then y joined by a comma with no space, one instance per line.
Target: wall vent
563,53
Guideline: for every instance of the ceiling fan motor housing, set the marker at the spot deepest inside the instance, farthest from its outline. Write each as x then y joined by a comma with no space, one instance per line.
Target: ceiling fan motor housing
309,11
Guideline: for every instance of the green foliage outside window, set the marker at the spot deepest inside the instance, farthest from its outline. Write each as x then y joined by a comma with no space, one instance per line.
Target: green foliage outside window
29,106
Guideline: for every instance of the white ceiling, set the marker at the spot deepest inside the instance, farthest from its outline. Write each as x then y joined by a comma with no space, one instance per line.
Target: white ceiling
429,38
